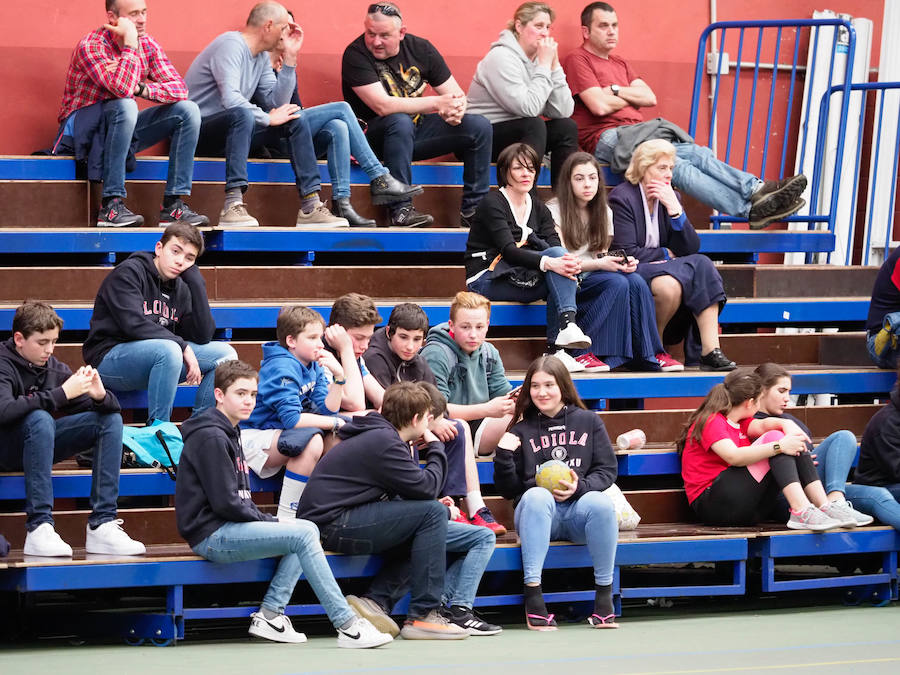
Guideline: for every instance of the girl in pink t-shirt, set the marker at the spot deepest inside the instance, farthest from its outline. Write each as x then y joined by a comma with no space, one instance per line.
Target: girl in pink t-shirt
730,480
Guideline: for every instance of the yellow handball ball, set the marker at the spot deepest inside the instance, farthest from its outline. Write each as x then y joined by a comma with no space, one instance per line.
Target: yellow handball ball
550,473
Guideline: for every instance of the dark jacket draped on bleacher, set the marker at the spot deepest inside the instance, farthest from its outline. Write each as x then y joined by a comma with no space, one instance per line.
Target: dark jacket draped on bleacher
879,454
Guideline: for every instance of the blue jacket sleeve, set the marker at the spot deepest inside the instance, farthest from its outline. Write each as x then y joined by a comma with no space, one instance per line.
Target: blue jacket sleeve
628,218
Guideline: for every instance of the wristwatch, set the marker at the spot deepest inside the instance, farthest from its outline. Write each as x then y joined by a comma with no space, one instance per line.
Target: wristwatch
777,448
614,88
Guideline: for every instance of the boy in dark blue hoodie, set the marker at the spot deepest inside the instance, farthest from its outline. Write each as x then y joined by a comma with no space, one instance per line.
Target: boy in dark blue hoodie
152,326
217,517
300,389
48,413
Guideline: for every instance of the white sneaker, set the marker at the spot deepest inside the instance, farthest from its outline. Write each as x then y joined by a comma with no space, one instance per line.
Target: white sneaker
361,635
279,629
111,538
44,541
571,364
843,511
572,337
813,519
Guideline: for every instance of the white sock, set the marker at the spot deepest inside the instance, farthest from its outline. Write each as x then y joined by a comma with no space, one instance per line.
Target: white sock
291,489
474,502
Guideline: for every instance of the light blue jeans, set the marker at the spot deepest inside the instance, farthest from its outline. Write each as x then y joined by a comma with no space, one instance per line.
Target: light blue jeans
700,174
158,366
888,356
464,574
336,132
297,543
835,456
590,520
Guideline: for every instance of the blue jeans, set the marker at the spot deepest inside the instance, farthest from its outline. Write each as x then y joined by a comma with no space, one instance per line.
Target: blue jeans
232,134
125,125
36,442
336,132
158,366
475,543
888,357
399,141
881,502
700,174
410,534
590,519
297,543
558,290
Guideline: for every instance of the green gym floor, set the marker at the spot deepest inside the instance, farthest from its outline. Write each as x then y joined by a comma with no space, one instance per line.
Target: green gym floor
732,639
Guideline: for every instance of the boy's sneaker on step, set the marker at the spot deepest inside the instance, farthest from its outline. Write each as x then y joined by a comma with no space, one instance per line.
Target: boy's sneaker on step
116,214
44,541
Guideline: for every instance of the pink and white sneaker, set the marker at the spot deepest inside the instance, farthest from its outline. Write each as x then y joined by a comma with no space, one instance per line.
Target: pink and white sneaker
592,364
667,364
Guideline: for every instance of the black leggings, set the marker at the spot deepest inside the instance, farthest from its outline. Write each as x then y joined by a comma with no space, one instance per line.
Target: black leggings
737,498
559,137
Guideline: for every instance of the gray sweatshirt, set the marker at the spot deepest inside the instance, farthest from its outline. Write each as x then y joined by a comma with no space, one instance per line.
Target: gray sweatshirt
508,85
226,75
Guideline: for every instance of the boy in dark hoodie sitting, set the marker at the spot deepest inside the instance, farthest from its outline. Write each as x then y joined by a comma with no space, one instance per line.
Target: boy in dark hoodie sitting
48,413
393,356
219,520
352,495
152,326
299,395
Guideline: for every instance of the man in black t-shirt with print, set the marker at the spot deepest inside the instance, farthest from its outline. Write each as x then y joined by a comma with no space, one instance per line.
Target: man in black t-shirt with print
384,73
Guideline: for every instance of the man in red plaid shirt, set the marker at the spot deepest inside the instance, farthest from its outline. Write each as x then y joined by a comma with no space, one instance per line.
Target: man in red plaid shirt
110,69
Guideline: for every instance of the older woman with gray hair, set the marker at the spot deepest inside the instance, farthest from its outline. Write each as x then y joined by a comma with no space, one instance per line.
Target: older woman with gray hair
649,223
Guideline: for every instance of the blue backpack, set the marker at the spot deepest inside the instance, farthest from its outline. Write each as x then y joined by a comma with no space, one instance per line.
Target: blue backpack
157,446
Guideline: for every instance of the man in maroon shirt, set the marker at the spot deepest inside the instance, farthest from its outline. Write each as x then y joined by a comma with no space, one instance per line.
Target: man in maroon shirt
110,69
609,95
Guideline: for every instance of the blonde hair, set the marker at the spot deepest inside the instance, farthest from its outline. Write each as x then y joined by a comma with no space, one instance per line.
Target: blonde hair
469,300
646,155
527,11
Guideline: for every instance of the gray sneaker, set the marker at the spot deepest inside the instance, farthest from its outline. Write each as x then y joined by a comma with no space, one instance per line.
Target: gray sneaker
236,215
320,217
812,519
843,511
371,611
432,627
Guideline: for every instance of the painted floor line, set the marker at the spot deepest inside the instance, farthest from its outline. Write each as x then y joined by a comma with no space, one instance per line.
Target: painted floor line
754,668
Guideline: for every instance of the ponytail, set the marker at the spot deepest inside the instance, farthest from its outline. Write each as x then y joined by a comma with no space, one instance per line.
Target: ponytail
739,386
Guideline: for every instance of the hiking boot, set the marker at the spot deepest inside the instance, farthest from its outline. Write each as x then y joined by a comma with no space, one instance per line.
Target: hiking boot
592,364
484,518
432,627
667,364
469,621
843,511
116,214
386,190
361,635
786,212
572,337
572,365
774,194
110,538
372,612
813,519
407,216
320,216
279,629
178,211
44,541
716,360
342,208
236,215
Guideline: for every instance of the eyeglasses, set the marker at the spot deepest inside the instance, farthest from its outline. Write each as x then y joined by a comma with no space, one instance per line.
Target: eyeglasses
387,10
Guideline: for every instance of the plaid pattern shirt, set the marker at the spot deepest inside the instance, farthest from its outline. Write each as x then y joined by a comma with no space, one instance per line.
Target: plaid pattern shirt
101,70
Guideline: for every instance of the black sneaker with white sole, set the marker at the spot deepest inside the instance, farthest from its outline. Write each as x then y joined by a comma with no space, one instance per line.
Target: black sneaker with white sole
469,621
116,214
177,212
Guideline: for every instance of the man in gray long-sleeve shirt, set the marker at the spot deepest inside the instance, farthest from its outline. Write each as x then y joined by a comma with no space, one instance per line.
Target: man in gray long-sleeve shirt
235,68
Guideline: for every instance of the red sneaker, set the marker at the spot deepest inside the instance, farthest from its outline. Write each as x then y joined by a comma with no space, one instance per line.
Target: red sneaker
484,518
592,364
461,518
667,364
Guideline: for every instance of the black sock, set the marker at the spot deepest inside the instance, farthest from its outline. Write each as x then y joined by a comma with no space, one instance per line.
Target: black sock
565,318
551,348
534,601
168,200
603,602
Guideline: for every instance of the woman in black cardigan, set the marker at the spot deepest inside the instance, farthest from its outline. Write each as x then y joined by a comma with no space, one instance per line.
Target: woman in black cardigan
514,254
650,224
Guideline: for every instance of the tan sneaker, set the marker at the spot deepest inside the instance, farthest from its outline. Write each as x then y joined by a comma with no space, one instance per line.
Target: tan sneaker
320,217
236,216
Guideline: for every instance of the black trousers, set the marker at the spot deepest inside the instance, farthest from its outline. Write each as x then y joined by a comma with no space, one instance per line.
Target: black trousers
558,137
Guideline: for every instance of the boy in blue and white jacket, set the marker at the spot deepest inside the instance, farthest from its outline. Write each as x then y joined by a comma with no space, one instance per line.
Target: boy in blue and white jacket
297,404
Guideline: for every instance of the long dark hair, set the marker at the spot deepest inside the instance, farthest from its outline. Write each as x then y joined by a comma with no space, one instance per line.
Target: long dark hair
595,232
554,368
770,373
739,386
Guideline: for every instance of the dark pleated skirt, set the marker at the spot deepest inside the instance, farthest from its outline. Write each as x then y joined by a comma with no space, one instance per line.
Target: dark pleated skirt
616,311
701,283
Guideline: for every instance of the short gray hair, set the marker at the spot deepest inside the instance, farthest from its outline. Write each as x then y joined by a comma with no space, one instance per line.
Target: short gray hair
265,11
